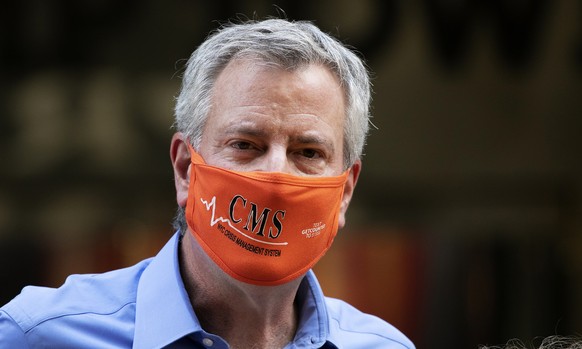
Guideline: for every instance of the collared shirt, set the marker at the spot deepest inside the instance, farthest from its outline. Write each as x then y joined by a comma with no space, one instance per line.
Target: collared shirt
146,306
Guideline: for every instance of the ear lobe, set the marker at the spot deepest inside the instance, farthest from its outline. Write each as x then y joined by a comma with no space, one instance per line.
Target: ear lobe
180,157
349,191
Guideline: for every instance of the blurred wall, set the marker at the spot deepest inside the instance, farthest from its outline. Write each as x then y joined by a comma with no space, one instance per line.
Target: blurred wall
466,227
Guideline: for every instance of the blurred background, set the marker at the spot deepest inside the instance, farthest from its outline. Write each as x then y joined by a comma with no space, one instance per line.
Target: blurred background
466,227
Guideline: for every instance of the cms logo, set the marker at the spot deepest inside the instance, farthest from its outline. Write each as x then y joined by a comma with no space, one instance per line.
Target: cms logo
255,220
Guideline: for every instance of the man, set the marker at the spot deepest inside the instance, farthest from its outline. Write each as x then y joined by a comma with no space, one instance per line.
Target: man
271,123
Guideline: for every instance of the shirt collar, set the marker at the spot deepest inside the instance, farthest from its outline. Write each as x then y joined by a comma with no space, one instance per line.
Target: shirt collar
164,313
313,329
163,310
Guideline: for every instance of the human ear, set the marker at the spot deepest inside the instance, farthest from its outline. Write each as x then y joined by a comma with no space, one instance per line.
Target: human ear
349,191
180,157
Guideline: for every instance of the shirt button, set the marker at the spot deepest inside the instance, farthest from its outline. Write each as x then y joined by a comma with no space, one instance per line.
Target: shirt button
207,342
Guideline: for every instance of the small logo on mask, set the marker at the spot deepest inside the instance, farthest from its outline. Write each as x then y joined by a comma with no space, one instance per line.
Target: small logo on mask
314,231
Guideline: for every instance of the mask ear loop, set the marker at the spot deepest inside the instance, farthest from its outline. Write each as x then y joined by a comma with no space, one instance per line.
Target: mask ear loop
195,158
190,204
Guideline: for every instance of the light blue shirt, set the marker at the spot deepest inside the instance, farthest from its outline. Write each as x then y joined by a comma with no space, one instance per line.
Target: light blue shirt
146,306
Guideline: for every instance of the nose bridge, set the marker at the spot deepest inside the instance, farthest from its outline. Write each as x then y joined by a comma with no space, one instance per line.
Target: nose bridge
276,160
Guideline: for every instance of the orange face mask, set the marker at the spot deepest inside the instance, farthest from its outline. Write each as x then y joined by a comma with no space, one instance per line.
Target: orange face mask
262,228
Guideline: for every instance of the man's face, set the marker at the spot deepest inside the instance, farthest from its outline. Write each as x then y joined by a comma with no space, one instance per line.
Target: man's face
267,119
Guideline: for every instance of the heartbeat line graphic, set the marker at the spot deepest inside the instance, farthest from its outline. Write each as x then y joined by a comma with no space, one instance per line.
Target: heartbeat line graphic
213,221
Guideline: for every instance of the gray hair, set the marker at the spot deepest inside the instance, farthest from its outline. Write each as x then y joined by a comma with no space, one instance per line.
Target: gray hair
551,342
288,45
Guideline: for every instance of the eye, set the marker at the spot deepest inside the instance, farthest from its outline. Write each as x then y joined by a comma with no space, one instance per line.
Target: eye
242,145
310,161
310,153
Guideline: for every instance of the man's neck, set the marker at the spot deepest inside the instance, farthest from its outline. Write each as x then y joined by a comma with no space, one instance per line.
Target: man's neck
245,315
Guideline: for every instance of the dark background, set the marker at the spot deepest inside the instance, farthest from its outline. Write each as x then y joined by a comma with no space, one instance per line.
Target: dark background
466,227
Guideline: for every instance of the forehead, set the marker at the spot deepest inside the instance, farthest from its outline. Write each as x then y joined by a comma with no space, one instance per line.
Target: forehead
246,81
251,91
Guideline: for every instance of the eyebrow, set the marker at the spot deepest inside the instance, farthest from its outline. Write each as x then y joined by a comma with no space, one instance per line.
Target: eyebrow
261,133
313,139
244,130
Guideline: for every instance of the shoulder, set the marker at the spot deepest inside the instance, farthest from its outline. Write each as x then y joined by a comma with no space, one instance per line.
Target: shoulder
354,329
82,298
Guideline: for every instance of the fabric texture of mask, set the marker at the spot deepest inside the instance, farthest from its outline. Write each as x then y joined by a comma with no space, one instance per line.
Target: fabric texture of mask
262,228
